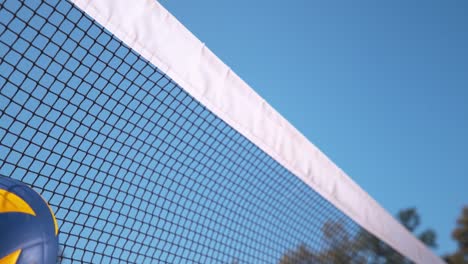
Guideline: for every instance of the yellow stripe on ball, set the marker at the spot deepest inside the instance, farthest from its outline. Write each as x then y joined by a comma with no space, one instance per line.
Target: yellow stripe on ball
11,203
12,258
53,216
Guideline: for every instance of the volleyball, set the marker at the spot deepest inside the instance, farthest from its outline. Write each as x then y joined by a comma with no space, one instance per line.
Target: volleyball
28,228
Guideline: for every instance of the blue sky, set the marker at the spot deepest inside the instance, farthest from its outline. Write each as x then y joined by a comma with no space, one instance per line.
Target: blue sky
380,87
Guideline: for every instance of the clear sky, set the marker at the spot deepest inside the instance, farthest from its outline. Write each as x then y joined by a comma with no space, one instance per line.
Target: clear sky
380,87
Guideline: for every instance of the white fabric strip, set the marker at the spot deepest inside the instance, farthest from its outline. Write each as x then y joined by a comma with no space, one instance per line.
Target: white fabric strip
149,29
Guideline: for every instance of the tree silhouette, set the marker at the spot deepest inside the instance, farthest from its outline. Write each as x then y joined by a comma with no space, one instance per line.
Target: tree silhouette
302,255
342,245
379,252
460,235
410,219
338,246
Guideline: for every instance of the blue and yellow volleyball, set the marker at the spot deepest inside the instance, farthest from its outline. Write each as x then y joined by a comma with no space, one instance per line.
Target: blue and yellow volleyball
28,228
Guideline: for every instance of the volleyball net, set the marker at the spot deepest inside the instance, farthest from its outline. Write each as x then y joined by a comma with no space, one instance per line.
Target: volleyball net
149,149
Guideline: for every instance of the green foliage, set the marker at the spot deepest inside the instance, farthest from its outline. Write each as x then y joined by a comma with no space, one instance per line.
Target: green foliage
428,237
460,235
302,255
341,246
410,219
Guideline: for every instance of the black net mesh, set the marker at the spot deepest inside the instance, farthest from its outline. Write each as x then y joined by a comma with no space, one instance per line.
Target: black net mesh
136,169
